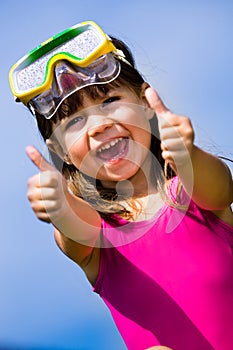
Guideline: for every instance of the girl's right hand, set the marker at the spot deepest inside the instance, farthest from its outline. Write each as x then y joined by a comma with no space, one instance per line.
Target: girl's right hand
46,190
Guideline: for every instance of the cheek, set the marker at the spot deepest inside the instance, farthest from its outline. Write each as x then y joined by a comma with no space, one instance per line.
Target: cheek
134,117
81,157
77,148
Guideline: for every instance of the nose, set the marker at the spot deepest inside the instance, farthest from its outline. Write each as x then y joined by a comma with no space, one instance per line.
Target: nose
99,124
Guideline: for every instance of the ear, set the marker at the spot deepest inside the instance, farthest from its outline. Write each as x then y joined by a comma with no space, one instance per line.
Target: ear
149,112
56,148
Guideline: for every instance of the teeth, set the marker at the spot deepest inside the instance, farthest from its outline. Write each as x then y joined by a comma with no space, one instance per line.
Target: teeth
110,144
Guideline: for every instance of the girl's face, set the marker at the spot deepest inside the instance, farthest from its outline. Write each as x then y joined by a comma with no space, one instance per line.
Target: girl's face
108,138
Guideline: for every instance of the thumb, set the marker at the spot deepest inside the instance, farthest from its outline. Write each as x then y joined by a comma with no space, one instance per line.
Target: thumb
36,157
155,101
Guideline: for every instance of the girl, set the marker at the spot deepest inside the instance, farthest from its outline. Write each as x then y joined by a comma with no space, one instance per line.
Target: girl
133,201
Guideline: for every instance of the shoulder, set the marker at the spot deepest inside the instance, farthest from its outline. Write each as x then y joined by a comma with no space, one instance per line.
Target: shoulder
179,196
225,215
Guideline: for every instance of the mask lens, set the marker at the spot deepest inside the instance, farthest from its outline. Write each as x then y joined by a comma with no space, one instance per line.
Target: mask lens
44,103
69,78
107,68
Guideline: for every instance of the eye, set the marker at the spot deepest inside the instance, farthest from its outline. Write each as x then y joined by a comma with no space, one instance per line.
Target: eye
78,122
110,100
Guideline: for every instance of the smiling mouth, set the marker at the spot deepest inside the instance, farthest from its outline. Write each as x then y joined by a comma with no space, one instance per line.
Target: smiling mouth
113,150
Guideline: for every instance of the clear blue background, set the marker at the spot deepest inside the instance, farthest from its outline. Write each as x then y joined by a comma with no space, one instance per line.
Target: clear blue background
185,50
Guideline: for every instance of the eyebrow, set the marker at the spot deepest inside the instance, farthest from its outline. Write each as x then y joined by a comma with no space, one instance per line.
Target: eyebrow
74,102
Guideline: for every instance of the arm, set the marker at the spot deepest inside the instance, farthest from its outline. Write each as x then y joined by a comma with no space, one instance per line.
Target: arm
87,258
213,185
205,177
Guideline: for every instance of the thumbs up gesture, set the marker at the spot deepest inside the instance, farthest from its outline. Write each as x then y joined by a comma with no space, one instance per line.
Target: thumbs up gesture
46,190
176,132
52,202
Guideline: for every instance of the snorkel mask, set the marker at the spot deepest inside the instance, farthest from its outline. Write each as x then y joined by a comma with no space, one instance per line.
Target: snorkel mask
77,57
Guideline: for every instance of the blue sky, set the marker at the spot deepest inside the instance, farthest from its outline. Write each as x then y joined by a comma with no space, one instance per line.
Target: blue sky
185,50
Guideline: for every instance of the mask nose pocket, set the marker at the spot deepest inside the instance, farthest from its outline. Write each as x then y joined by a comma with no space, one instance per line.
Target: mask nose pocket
67,79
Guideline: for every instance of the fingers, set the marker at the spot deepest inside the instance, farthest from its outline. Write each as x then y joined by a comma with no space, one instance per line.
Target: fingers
155,101
44,195
41,193
176,131
45,207
50,179
165,117
42,188
36,157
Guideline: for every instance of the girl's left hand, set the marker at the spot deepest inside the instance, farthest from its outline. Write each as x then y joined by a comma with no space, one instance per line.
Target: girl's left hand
176,132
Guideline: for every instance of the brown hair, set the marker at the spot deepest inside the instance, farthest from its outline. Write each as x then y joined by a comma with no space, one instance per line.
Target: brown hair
106,201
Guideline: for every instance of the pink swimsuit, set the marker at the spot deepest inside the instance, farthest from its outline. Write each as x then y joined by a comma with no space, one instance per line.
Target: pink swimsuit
169,280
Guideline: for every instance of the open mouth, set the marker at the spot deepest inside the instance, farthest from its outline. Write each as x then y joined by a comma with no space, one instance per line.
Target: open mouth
113,150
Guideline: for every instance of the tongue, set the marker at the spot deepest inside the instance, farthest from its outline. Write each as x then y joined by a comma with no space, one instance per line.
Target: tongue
113,152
